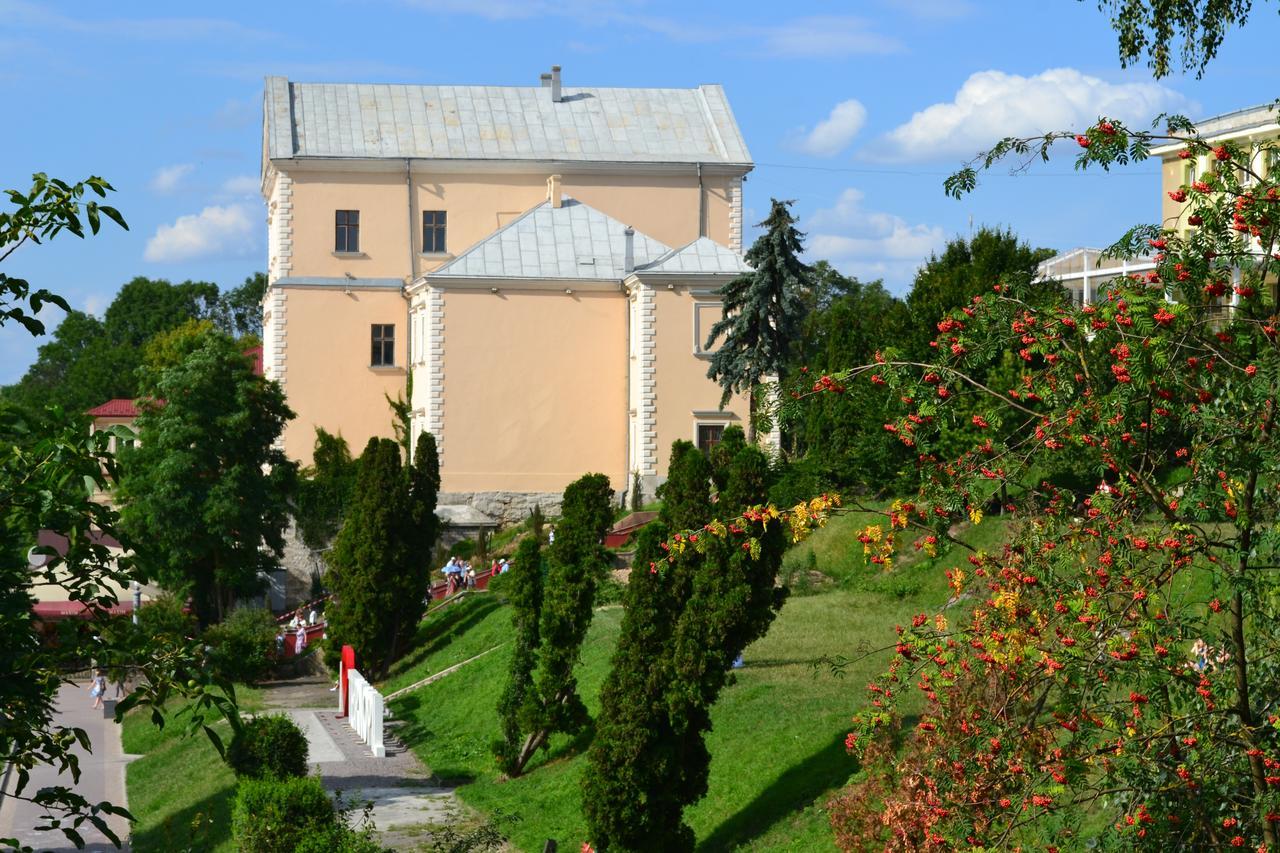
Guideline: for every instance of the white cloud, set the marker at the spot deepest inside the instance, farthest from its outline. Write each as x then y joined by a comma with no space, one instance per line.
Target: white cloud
992,104
95,304
834,133
242,185
167,179
827,36
871,244
228,230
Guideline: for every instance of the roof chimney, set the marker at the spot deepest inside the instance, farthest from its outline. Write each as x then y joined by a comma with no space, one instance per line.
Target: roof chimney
555,84
546,80
553,190
629,253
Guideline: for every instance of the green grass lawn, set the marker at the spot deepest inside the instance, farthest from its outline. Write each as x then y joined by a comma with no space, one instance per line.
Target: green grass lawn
180,790
449,635
778,729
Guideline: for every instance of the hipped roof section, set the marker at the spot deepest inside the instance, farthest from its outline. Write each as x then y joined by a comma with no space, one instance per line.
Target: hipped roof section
604,125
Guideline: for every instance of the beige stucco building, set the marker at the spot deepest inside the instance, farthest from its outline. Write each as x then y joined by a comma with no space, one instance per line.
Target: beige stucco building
1085,272
538,264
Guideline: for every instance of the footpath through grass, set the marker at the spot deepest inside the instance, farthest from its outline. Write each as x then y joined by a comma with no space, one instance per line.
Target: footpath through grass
777,742
180,790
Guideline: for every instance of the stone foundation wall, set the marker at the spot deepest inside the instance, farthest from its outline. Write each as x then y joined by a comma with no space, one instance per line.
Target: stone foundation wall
298,562
506,507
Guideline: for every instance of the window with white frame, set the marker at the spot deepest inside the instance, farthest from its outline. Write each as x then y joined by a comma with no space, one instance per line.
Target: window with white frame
706,313
709,435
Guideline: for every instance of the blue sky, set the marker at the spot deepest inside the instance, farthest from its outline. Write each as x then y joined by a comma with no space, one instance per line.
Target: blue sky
857,110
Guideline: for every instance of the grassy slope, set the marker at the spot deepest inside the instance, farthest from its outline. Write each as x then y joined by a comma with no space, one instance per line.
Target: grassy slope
180,790
777,742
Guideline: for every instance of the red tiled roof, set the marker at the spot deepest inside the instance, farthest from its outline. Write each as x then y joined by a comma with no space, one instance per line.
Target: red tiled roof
125,408
255,353
119,408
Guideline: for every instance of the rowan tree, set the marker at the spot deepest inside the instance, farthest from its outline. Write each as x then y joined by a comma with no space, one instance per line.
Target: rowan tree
1074,684
575,563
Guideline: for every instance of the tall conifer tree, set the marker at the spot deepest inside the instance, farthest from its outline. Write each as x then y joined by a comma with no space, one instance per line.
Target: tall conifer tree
575,563
369,549
763,309
682,629
634,788
525,593
380,564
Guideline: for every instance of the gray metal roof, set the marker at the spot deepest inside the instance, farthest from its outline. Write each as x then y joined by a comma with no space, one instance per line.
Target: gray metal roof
566,242
360,120
702,256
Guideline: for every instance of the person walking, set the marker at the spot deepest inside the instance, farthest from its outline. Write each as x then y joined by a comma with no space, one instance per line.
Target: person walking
98,687
300,641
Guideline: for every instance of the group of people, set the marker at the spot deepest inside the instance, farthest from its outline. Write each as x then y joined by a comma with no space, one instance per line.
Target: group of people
459,574
1206,657
298,627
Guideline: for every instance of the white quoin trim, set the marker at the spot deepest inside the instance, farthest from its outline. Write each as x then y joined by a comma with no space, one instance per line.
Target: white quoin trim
735,214
427,364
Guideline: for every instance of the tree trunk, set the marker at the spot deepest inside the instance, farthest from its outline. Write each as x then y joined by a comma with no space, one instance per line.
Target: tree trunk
751,415
531,745
536,739
1240,665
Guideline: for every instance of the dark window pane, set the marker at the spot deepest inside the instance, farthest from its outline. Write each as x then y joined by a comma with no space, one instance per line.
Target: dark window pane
433,231
709,435
346,231
383,345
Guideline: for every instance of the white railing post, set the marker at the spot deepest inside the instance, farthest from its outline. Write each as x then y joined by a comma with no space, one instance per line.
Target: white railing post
365,713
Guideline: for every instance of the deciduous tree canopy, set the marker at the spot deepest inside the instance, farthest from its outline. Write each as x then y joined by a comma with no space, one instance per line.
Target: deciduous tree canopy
206,487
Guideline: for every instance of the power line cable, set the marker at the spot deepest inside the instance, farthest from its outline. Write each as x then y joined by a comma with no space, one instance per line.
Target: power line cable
920,174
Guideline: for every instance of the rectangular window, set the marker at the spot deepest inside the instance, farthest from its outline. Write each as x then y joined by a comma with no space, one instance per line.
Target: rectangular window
709,435
384,345
433,228
1191,172
1252,163
346,231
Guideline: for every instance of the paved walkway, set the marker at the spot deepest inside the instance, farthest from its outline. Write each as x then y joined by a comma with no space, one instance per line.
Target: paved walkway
101,778
402,790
